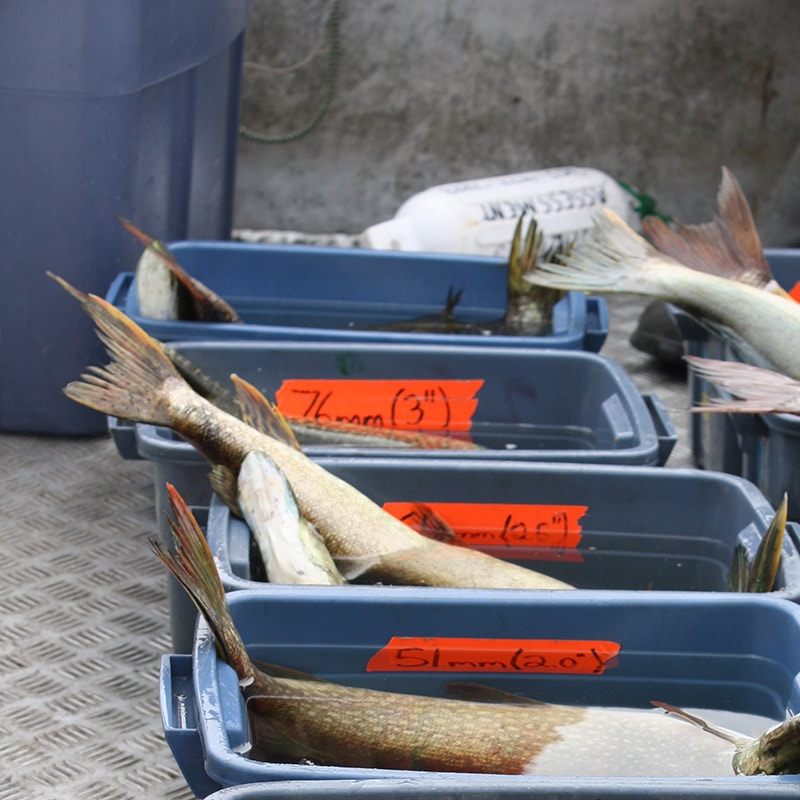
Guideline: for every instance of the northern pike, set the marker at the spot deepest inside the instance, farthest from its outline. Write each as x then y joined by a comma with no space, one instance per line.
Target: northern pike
141,384
332,432
530,308
299,717
763,326
444,321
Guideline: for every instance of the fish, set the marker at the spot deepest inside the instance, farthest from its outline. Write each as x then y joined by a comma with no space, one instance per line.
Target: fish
354,434
763,327
474,729
166,291
529,308
140,384
327,432
291,548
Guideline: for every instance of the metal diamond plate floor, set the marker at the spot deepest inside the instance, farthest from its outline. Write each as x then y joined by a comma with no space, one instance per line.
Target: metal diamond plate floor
84,616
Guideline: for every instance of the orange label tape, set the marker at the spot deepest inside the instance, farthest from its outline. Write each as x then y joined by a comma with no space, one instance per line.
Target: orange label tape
566,656
434,405
518,525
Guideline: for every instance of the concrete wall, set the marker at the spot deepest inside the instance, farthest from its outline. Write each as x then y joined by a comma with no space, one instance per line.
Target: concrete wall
659,94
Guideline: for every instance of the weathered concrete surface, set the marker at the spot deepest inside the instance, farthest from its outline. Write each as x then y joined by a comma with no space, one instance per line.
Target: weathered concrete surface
659,94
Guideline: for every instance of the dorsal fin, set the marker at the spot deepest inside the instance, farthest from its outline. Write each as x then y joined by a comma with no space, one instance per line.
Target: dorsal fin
262,415
277,671
768,556
432,525
480,693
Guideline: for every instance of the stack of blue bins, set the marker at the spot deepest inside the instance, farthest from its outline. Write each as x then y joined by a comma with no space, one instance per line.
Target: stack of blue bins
764,448
568,440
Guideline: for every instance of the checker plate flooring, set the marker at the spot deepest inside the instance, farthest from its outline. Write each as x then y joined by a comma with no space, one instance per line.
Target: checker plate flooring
84,615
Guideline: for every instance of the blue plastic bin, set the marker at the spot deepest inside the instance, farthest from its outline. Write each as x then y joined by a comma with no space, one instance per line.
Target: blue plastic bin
308,293
764,448
499,787
106,106
559,405
644,529
695,651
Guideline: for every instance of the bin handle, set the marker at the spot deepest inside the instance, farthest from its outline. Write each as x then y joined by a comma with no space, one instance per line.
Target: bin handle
597,324
123,433
178,703
117,293
662,422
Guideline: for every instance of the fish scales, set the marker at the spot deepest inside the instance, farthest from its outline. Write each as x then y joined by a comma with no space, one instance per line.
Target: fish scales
344,726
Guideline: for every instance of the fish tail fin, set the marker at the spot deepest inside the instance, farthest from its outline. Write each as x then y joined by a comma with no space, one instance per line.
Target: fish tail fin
768,557
728,246
129,386
520,258
614,259
193,566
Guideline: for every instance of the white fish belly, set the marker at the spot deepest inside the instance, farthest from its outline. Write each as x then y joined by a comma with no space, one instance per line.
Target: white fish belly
630,743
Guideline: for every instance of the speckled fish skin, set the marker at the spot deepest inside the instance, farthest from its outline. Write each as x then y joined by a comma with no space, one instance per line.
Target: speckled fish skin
141,384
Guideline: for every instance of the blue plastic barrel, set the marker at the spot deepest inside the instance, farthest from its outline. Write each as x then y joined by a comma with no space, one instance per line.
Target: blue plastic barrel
107,107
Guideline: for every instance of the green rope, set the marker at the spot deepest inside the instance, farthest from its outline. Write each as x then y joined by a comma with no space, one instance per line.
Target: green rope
330,86
647,204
